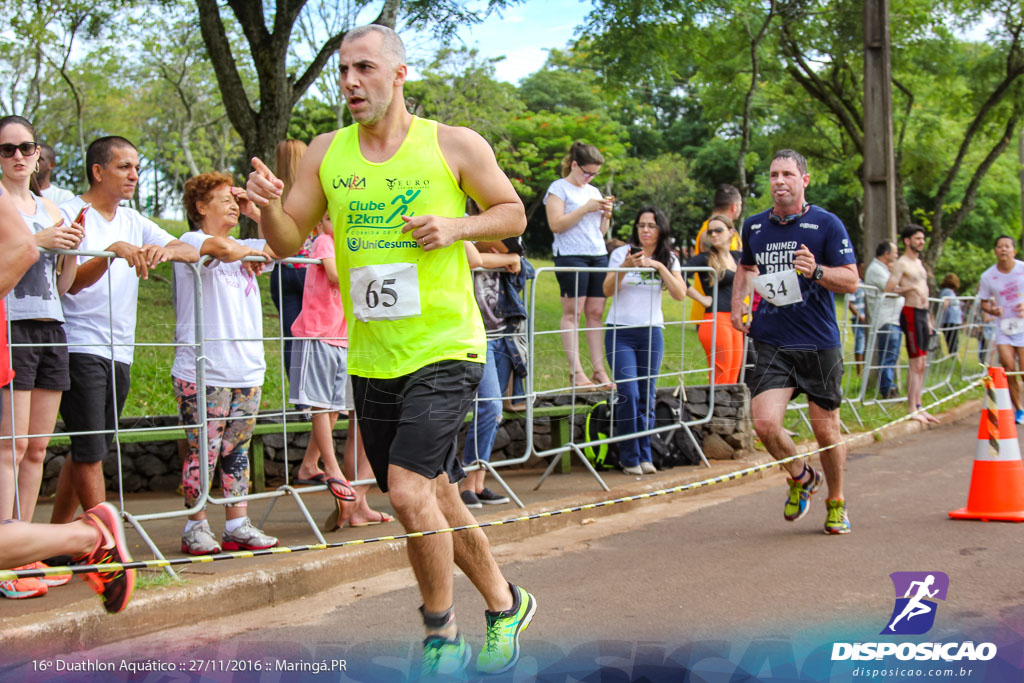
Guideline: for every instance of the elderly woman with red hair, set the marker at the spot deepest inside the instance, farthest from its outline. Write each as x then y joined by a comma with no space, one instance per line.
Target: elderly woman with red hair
233,326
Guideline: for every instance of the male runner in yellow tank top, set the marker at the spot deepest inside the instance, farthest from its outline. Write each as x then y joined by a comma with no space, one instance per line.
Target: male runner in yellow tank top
395,187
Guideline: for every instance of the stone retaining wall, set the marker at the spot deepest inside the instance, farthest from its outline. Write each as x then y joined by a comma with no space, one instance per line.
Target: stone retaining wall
156,466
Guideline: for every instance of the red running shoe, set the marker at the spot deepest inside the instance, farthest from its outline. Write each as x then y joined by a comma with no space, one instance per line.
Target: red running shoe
114,586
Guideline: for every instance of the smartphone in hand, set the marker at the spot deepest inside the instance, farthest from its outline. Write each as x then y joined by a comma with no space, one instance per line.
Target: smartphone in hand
81,213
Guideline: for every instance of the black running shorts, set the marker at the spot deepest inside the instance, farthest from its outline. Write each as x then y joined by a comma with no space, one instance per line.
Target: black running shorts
413,421
44,364
94,402
817,373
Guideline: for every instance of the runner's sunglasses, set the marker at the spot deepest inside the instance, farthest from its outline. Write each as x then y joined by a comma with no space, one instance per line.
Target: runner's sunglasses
27,149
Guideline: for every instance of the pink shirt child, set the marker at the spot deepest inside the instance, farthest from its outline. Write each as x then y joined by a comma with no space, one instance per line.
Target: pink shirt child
322,315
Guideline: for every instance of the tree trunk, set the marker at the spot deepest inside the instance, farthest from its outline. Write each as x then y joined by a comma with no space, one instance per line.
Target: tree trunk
1020,176
842,104
944,227
748,103
261,129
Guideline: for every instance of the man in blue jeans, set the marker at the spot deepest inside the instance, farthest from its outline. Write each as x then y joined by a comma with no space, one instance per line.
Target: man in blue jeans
884,314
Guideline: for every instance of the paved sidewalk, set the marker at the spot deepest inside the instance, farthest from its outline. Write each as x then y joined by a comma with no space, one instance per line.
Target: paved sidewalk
71,617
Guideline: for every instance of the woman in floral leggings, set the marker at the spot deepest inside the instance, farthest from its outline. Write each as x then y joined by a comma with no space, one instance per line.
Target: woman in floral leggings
233,327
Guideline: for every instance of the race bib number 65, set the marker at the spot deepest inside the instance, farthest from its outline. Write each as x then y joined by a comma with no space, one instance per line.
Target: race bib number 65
780,289
389,291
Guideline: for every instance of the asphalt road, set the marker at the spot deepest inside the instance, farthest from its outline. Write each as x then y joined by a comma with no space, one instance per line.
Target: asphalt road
716,587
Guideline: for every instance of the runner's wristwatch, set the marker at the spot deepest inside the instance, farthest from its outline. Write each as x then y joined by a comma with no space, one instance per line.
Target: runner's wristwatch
818,273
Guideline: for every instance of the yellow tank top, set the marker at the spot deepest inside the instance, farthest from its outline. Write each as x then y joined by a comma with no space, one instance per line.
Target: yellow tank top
406,308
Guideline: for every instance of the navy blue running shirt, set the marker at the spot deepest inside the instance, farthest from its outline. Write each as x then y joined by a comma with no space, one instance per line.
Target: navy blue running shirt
811,323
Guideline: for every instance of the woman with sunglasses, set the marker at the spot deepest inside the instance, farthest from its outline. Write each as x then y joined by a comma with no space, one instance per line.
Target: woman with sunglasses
633,337
579,216
728,341
34,309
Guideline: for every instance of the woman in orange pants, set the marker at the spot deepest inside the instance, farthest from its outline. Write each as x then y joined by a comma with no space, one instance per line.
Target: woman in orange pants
728,342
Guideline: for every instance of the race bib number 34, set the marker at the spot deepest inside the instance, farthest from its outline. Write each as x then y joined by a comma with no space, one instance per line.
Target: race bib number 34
780,289
389,291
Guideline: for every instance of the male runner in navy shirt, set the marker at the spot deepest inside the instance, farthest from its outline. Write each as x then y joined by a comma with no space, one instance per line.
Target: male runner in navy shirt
797,256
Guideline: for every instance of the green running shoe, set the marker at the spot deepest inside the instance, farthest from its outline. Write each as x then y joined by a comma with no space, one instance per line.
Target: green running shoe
799,500
444,659
836,522
501,645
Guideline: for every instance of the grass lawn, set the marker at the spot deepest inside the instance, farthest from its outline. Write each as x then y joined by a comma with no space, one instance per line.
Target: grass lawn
151,392
151,372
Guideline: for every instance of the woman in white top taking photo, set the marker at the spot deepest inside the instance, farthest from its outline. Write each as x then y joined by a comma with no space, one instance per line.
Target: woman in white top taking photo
37,320
579,216
633,337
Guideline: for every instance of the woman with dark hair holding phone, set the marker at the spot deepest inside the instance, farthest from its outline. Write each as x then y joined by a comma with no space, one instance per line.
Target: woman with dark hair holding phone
579,216
715,253
633,337
40,362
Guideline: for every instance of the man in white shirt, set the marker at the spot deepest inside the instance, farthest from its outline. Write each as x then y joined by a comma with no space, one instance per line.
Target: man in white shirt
884,314
1001,293
47,162
100,310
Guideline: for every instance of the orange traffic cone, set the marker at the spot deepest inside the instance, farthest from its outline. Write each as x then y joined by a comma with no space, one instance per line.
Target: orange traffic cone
997,482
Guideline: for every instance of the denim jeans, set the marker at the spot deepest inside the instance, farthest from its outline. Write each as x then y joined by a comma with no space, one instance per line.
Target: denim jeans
634,353
484,427
288,303
888,342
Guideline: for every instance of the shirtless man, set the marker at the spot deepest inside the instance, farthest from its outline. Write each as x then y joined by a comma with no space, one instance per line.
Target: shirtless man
910,280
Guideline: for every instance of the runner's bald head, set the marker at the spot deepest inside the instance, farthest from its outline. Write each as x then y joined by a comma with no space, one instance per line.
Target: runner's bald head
391,43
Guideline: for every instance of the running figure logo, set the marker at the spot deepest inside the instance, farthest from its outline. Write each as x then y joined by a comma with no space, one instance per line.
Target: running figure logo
914,613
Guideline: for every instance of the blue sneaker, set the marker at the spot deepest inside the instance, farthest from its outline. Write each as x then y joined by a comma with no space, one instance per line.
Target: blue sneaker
445,659
1018,417
501,645
799,500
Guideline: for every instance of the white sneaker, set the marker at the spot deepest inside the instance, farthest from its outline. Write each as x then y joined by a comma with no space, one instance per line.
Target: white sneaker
635,469
199,540
247,537
648,467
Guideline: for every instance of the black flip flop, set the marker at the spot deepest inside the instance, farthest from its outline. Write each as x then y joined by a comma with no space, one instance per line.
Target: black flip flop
316,480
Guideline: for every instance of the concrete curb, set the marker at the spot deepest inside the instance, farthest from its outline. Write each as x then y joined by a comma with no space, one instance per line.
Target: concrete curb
84,625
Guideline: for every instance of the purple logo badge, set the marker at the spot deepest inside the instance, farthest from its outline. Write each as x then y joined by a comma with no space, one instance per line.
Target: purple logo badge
916,592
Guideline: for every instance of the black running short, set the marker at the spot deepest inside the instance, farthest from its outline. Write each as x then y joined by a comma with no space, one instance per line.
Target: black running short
94,402
817,373
413,421
577,284
44,363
